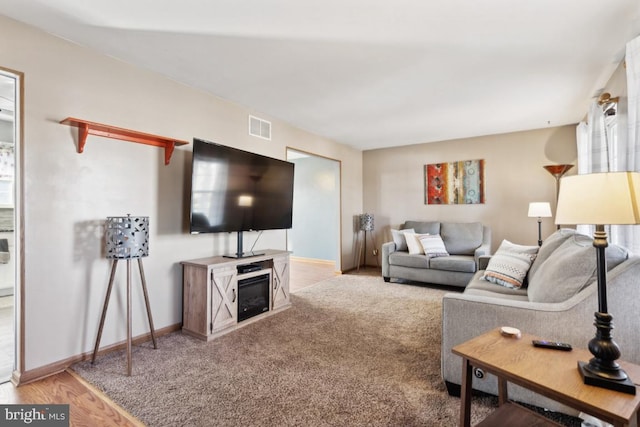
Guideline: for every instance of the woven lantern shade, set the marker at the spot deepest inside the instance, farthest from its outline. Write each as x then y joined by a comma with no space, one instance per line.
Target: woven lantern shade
366,222
127,237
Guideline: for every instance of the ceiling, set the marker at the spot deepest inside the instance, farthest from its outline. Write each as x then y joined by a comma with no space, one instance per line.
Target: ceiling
367,73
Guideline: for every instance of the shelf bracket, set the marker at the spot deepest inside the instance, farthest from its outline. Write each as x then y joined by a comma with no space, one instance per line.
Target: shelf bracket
168,151
83,132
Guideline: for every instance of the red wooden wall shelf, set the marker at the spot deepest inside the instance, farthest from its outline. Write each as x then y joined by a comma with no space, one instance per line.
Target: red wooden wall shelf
86,128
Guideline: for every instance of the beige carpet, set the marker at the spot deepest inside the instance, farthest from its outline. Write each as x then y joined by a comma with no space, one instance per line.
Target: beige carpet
352,351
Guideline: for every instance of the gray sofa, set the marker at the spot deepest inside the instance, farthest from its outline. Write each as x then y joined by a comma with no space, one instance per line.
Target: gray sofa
465,243
558,304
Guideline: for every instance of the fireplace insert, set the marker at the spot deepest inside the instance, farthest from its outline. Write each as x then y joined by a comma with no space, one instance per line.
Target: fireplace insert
253,296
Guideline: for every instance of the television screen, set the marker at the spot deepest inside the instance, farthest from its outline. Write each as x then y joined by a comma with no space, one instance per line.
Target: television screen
235,190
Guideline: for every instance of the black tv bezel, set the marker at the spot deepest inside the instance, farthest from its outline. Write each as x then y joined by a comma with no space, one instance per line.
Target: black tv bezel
247,154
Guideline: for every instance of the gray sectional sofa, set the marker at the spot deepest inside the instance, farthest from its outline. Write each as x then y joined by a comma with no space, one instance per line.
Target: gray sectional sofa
557,304
465,243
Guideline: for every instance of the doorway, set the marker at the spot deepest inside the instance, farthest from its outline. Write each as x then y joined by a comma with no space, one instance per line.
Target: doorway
316,208
9,85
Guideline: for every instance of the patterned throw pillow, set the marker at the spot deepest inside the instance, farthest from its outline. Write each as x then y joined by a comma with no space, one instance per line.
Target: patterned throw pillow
510,264
433,245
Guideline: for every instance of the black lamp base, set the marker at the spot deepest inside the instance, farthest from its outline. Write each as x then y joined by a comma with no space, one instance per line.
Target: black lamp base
624,386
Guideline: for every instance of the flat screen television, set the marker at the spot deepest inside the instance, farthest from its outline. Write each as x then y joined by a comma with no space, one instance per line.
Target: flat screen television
234,191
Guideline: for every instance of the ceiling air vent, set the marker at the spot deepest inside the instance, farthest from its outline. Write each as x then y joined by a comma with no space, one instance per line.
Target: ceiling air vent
260,128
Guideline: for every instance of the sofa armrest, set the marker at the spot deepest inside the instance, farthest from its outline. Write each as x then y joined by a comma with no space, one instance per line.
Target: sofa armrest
485,247
465,316
483,262
387,249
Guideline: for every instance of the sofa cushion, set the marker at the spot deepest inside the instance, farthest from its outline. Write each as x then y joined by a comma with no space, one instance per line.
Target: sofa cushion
404,259
459,263
571,268
423,227
399,239
479,286
461,238
509,265
552,243
433,245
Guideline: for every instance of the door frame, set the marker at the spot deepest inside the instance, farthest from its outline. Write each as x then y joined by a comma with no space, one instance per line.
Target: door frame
338,243
19,302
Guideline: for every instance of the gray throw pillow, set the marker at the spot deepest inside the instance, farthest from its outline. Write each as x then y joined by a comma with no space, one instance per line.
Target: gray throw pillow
552,243
399,239
571,267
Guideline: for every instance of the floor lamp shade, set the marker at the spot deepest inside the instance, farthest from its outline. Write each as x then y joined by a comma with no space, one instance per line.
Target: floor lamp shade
127,237
366,222
601,199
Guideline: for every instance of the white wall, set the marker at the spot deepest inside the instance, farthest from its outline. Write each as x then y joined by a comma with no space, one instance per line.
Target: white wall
394,181
69,195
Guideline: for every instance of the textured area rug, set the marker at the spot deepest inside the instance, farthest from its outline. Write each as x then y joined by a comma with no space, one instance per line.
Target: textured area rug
352,350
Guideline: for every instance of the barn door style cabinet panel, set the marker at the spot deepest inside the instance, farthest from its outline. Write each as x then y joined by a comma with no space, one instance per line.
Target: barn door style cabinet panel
280,286
222,294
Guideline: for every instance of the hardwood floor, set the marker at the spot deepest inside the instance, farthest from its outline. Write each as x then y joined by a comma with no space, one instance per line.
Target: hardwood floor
87,405
303,273
90,407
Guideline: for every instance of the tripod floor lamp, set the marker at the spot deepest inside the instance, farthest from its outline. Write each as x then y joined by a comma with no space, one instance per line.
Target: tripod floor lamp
126,238
557,171
366,225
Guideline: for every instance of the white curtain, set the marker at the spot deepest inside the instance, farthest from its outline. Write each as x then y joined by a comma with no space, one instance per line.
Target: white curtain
597,141
612,142
629,236
594,149
633,112
585,155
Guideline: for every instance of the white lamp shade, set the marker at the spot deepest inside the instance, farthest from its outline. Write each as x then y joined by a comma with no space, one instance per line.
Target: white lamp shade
539,209
599,198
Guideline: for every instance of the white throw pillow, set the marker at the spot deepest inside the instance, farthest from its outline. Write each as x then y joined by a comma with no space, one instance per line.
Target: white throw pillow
509,265
399,239
433,245
413,243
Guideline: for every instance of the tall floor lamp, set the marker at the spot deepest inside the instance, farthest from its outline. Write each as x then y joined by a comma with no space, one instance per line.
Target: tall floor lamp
557,171
599,199
539,210
126,238
367,225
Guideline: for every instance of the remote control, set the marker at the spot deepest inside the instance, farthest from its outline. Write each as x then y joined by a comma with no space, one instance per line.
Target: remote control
552,345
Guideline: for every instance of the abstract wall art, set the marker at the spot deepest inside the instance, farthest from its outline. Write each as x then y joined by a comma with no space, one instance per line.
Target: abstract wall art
454,183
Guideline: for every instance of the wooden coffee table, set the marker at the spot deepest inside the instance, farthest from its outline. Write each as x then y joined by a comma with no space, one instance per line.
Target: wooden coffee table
551,373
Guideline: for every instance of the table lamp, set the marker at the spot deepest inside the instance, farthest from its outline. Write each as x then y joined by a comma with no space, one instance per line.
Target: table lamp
601,199
126,238
539,210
